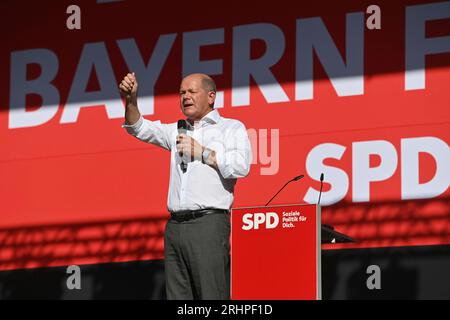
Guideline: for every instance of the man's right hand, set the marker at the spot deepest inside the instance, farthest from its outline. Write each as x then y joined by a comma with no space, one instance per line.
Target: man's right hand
129,86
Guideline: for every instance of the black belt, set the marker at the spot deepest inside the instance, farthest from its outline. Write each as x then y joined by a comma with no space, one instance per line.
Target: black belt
186,215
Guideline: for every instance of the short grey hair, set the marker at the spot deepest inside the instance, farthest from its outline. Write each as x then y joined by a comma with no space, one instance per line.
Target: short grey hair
208,83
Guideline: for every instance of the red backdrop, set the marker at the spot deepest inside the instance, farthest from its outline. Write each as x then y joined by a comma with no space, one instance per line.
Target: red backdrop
75,188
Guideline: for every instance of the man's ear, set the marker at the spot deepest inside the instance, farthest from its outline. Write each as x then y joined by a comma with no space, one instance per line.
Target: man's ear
211,97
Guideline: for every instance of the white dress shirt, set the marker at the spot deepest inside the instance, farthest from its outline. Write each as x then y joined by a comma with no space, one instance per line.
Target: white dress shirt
201,186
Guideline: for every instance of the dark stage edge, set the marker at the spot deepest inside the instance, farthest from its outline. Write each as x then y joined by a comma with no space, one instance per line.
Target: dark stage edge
416,272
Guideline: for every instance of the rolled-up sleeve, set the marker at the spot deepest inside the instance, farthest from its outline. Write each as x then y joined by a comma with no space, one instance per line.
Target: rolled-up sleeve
153,132
235,156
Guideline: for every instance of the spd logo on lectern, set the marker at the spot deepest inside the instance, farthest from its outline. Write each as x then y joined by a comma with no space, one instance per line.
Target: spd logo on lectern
269,220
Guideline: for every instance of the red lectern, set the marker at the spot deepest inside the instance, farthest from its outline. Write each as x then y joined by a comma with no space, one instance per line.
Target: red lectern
275,252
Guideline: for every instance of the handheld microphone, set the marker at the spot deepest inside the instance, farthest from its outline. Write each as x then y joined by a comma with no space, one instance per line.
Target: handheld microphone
294,179
321,185
182,129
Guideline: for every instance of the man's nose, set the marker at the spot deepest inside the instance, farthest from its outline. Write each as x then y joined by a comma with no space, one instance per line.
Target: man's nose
187,96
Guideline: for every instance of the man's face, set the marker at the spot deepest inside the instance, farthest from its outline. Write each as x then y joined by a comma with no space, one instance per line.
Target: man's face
194,99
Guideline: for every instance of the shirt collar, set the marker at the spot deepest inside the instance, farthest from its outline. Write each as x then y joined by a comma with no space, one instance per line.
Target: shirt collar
212,117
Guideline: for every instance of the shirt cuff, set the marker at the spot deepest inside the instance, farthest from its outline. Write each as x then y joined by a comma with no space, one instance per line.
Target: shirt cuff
133,128
225,170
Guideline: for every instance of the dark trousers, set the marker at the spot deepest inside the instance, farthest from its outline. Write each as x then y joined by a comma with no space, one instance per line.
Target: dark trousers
197,258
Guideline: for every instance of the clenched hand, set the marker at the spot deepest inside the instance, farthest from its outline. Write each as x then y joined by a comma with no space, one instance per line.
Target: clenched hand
189,147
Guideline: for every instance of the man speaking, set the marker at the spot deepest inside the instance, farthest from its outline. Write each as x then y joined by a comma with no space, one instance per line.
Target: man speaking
208,154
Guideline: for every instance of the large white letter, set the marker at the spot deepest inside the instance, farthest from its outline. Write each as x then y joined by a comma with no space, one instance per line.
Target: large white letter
259,69
148,74
192,41
274,159
363,174
20,87
417,45
347,78
440,151
95,56
336,177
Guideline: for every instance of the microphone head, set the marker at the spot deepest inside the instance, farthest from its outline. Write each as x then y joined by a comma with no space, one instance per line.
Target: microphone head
182,124
321,177
298,177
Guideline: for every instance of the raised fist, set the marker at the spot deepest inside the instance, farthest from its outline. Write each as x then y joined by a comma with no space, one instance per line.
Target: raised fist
128,86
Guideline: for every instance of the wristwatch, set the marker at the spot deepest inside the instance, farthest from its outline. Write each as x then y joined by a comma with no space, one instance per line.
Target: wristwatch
205,155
